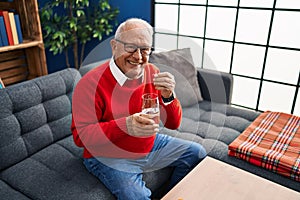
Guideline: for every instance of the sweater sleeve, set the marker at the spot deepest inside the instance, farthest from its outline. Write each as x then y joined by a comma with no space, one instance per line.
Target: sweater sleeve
171,114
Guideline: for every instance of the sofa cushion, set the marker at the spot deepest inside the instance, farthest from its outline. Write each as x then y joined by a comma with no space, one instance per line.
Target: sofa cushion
57,172
7,192
214,125
215,86
35,114
180,63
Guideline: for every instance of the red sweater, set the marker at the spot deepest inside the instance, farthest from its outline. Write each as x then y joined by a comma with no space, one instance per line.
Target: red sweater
99,110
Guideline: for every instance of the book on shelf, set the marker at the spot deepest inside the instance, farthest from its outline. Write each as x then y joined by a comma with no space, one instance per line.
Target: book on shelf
1,43
19,29
3,32
7,26
13,27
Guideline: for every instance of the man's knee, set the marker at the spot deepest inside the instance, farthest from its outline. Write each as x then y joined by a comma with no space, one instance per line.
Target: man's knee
201,152
197,153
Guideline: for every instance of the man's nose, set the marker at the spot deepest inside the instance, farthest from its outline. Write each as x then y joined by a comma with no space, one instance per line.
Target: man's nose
138,54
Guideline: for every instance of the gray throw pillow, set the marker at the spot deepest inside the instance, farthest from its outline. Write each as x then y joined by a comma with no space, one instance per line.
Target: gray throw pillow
180,63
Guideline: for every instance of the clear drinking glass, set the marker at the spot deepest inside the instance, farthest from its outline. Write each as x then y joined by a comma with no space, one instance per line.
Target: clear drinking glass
150,106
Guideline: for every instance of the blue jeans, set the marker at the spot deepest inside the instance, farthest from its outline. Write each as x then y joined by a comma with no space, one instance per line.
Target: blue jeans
123,177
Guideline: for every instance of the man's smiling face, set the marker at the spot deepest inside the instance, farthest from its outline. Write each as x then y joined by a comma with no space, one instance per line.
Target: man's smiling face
131,64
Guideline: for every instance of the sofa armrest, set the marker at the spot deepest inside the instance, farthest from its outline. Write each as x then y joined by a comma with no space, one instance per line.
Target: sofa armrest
215,86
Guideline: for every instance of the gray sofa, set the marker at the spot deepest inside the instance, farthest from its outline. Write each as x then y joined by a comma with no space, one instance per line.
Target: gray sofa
40,161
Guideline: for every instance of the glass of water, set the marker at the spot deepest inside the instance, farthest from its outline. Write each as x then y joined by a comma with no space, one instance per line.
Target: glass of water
150,106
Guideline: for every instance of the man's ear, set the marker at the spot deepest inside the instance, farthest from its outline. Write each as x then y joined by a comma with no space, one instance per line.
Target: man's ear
113,44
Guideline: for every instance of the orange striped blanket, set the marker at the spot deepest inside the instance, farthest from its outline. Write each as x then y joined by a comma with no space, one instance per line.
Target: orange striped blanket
272,141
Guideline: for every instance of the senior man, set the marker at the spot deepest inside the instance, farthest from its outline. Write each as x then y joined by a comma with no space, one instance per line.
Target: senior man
120,142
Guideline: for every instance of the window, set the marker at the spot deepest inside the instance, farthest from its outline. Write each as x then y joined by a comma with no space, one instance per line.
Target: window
186,26
220,23
253,26
257,41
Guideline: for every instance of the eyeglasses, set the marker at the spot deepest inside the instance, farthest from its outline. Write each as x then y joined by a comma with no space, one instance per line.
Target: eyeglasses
131,48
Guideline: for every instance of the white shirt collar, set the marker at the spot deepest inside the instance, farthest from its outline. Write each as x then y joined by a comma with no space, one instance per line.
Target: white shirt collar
118,74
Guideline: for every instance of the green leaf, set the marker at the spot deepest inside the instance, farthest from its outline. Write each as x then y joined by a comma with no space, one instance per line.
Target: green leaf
72,24
80,13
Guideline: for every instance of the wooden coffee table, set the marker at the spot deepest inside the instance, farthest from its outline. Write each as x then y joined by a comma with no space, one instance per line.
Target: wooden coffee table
215,180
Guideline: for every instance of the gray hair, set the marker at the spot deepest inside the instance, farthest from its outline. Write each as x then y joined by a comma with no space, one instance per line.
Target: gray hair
132,22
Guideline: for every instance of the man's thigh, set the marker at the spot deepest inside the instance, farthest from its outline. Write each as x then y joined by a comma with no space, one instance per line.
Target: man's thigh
168,149
124,184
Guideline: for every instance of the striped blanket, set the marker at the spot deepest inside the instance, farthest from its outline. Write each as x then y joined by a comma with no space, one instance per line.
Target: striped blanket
272,141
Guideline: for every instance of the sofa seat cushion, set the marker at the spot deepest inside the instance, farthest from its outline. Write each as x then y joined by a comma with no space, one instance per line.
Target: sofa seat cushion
57,172
214,125
7,192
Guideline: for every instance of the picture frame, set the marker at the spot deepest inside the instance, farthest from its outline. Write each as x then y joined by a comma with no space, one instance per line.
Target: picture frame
1,84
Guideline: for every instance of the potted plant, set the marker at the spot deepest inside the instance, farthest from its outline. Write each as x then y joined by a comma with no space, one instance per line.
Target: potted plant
70,24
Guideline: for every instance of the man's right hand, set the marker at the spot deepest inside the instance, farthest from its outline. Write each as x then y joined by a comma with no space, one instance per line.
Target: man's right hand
141,125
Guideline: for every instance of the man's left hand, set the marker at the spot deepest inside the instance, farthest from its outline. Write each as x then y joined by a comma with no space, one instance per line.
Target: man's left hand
165,82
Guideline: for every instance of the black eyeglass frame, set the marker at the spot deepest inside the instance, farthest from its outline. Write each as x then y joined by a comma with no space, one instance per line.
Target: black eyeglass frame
143,49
